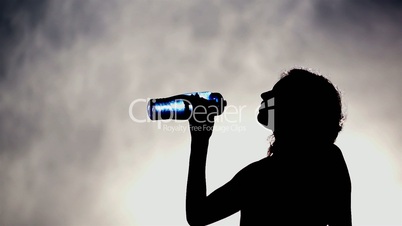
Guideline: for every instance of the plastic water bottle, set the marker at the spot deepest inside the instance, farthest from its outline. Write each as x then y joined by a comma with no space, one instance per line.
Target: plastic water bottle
181,107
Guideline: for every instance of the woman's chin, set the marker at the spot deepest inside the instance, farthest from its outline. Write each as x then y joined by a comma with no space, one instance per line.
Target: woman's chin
262,119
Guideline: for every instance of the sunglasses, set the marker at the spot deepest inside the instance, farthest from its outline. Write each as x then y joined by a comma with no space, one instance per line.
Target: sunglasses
268,99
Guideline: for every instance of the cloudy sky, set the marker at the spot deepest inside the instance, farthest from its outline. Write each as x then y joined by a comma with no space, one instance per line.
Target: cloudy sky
71,155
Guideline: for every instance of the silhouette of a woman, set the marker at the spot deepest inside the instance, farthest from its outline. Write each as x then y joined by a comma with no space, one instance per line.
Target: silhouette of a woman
304,179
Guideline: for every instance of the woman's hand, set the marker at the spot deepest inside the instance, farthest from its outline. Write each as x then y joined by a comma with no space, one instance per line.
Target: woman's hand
202,120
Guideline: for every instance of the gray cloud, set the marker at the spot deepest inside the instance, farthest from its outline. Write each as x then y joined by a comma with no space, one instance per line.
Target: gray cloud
70,69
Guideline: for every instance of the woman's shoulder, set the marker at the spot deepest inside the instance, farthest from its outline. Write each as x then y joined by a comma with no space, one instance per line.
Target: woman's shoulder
336,155
258,166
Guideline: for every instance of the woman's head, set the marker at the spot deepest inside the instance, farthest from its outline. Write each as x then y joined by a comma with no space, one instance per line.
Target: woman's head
308,108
